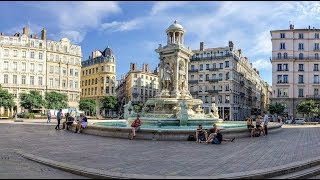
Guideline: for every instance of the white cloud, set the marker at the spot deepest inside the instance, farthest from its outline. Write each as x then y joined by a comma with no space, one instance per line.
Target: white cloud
121,26
33,29
74,36
159,7
262,64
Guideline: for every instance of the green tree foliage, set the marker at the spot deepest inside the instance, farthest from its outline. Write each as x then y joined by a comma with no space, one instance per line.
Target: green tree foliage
88,106
308,107
55,100
31,100
6,99
138,107
110,103
276,108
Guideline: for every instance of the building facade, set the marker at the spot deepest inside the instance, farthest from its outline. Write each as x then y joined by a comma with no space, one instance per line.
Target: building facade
98,77
222,75
137,85
295,66
32,63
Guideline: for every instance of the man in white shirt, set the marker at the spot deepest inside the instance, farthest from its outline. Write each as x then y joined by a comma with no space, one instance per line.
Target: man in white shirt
266,120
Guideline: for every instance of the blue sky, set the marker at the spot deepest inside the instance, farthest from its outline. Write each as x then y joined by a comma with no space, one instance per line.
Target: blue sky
133,30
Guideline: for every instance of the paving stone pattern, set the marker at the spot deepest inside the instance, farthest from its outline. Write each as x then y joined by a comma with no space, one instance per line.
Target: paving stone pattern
184,158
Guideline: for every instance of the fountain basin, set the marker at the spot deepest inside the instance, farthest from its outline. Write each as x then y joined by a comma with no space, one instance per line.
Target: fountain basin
161,133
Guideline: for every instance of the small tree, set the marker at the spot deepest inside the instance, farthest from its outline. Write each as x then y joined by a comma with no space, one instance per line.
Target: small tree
31,100
138,107
55,100
109,103
6,99
276,108
307,107
88,106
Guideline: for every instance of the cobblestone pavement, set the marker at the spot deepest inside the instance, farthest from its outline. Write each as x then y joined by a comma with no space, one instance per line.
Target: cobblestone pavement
293,143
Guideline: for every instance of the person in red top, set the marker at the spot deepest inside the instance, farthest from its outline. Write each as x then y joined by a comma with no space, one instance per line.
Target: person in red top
135,126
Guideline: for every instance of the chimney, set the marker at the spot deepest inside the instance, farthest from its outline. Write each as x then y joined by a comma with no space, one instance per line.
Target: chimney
26,31
309,27
201,46
239,50
44,34
2,34
258,73
231,45
133,66
291,26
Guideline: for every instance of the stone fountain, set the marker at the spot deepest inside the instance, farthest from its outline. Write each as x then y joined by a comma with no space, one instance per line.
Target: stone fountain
174,105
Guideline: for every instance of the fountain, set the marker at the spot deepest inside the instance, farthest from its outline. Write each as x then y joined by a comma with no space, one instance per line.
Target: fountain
173,113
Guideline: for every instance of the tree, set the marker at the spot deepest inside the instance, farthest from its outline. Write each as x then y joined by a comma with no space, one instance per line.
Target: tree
110,103
308,107
276,108
55,100
88,106
31,100
138,107
6,99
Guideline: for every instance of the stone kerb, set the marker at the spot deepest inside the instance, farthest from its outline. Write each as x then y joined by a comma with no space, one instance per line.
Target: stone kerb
157,134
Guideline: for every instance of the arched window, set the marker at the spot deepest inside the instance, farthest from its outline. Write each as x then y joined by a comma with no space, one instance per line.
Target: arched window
316,56
301,56
285,55
102,80
108,79
96,80
279,55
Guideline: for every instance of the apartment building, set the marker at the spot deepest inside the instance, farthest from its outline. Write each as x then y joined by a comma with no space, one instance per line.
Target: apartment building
137,85
98,77
28,62
222,75
295,66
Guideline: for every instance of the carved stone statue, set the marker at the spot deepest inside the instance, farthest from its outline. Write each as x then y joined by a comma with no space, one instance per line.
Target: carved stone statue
183,116
182,78
166,79
128,110
214,110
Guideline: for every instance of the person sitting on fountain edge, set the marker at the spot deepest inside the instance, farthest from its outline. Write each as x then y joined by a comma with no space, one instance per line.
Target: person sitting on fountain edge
217,138
135,126
201,134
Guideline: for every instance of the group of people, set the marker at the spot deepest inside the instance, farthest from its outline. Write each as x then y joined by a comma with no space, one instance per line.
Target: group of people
70,118
213,135
256,131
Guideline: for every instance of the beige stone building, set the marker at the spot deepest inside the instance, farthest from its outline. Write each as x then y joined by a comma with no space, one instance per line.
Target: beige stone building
222,75
98,77
295,66
28,62
137,85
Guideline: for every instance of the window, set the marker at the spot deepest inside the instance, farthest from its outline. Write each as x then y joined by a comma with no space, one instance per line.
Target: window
57,70
192,76
14,79
214,76
279,78
316,67
201,67
51,82
40,55
282,35
15,53
207,77
31,80
200,77
71,72
107,80
40,81
23,80
40,67
285,78
279,67
6,65
300,67
32,55
51,69
301,46
24,66
24,54
300,79
107,89
40,45
285,67
316,91
64,83
70,83
57,84
207,66
192,67
76,73
64,71
316,79
300,92
282,45
279,55
316,35
220,77
5,78
32,67
227,64
221,65
227,99
102,68
285,55
300,35
301,56
102,80
15,66
32,43
214,65
316,56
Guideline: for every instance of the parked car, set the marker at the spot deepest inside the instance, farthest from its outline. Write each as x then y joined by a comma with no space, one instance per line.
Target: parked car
20,115
299,120
288,121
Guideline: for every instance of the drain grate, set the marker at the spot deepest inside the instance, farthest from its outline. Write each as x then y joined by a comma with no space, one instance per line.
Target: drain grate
45,169
5,157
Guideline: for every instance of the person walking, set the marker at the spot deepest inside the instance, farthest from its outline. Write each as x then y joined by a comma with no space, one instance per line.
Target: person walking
59,116
49,116
266,120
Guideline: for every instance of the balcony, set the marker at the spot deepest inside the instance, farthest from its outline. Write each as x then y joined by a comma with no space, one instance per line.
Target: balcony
135,94
193,70
242,94
194,92
292,58
242,83
282,82
213,80
213,69
208,58
313,96
213,91
193,81
316,82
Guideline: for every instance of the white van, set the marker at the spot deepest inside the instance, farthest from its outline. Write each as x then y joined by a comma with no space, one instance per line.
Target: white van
299,120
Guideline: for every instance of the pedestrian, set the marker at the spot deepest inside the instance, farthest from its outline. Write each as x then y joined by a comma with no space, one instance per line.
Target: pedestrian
59,116
135,126
266,120
49,116
82,123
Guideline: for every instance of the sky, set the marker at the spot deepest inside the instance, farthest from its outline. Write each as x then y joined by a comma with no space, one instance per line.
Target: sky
133,30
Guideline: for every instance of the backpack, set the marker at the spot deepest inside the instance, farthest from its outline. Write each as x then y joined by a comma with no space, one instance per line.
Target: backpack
191,138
